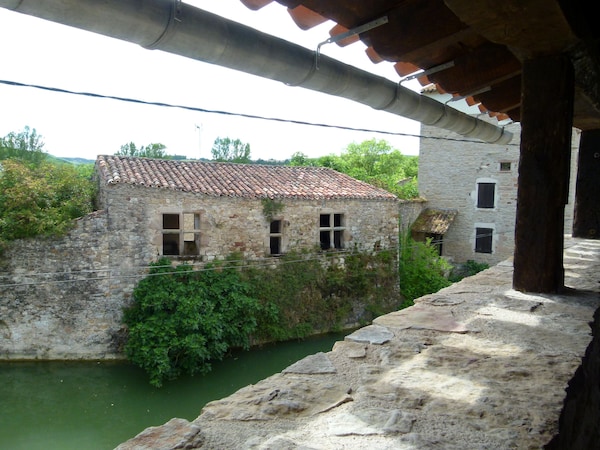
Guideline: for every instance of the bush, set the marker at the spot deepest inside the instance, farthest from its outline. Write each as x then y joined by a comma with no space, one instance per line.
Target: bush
421,269
182,319
41,199
467,269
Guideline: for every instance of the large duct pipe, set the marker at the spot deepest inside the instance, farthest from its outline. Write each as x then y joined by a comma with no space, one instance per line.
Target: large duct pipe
176,27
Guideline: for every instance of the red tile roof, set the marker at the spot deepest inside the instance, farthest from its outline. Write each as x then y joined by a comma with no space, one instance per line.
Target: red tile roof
236,180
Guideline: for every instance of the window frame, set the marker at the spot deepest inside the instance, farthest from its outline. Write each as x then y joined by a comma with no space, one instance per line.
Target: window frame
334,229
182,231
276,236
483,242
485,199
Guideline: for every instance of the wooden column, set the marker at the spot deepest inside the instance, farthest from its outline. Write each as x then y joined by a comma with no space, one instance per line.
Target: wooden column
546,124
586,220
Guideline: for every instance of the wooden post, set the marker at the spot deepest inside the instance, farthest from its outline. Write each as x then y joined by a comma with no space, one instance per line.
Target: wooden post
586,220
546,125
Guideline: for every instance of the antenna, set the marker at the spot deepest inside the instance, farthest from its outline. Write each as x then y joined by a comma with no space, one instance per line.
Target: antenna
199,128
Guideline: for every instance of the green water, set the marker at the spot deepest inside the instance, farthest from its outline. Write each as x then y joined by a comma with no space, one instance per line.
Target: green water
98,405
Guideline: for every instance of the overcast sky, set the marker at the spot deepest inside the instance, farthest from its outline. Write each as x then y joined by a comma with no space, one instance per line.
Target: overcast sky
39,52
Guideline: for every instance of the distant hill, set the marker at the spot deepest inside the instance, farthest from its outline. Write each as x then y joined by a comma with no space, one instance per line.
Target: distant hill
79,160
75,161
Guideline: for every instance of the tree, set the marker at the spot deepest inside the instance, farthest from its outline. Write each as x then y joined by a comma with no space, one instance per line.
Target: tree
26,145
153,150
374,162
226,149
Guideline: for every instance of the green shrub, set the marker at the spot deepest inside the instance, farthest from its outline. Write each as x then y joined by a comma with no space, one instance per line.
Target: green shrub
182,319
467,269
41,199
421,269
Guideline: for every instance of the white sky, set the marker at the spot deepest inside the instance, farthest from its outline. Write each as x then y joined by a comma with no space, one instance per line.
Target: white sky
35,51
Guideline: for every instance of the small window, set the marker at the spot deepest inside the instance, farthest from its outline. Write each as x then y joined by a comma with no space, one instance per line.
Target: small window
505,166
181,234
437,240
485,195
275,236
331,231
483,240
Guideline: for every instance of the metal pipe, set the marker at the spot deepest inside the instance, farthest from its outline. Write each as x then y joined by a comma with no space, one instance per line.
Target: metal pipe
179,28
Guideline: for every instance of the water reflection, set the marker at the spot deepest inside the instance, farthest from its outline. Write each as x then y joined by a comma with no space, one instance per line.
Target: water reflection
97,405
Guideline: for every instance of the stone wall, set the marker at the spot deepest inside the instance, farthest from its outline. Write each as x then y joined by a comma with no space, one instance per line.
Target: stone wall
63,298
59,298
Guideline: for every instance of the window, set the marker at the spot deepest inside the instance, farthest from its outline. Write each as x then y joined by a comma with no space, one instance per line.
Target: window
486,195
331,231
505,166
275,235
181,234
483,240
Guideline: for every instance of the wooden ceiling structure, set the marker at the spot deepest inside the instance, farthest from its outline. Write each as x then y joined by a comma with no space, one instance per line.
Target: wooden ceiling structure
473,49
536,62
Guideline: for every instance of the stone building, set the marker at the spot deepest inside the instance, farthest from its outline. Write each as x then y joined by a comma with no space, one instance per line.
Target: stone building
471,191
203,211
62,298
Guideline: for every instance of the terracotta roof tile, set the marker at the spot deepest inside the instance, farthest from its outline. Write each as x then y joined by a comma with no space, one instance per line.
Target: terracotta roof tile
236,180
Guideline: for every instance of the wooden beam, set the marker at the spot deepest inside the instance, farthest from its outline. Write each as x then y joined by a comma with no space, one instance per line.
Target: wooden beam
546,124
586,220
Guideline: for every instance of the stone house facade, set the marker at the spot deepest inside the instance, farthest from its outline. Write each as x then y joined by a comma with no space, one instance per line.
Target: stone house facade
205,211
62,298
471,187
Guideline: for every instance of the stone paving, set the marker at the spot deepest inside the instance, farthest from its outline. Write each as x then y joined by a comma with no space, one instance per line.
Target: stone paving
474,366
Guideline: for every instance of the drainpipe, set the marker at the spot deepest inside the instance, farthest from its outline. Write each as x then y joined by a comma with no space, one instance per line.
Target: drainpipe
179,28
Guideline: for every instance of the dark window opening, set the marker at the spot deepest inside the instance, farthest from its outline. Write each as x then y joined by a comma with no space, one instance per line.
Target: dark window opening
275,245
485,195
325,240
276,226
170,244
483,240
324,220
171,221
337,238
337,220
505,166
275,238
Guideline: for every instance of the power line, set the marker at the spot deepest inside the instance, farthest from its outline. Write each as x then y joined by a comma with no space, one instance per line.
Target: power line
221,265
236,114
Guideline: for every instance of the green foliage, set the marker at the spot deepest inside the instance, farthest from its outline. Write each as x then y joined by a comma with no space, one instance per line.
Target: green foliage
421,269
226,149
374,162
301,295
467,269
271,208
39,197
182,319
153,150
